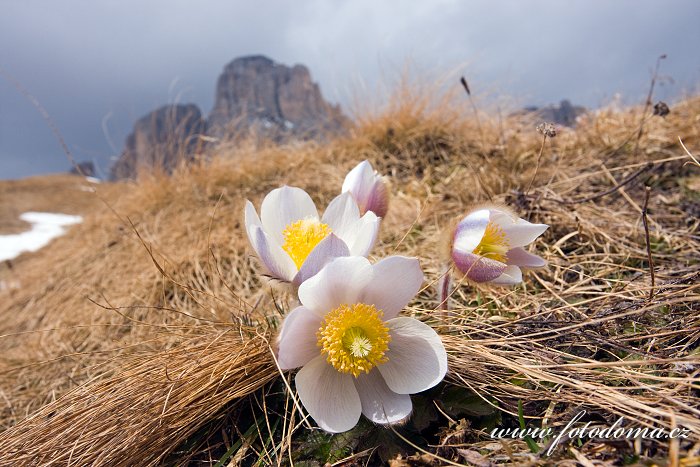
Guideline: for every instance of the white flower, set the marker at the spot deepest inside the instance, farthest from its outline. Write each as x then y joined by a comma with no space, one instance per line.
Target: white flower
356,355
368,188
294,244
488,244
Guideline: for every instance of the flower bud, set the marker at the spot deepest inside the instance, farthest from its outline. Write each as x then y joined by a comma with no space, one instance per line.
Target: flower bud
368,188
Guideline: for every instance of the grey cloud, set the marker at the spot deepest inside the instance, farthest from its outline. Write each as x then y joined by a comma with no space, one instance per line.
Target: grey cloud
84,60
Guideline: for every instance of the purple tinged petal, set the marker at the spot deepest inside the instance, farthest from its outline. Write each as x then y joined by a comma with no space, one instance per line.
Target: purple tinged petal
378,201
367,188
273,257
520,257
477,268
329,248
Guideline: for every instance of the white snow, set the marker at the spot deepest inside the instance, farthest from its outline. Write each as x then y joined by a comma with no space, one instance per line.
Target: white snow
45,227
93,179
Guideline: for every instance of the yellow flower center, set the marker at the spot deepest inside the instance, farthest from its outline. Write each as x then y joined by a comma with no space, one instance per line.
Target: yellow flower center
301,237
354,338
494,244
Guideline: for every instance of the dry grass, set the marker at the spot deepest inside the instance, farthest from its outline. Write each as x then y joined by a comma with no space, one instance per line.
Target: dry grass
132,334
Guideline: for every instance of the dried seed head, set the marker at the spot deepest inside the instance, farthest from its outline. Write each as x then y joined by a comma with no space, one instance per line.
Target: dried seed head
547,129
463,80
661,109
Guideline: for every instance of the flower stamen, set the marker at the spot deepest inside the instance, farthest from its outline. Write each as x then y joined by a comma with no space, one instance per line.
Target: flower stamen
494,244
354,338
301,237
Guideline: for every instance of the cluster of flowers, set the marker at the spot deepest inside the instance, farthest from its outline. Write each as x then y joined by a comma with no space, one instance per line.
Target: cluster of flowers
356,354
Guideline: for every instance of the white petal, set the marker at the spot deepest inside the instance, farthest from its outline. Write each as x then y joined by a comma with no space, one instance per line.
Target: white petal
364,235
416,357
520,257
329,396
379,403
519,232
470,231
285,205
397,279
523,233
273,257
251,216
327,249
297,339
512,275
359,181
502,218
477,268
341,214
341,281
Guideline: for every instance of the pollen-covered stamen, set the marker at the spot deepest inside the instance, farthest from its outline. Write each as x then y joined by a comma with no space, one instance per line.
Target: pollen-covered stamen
357,342
301,237
354,338
494,244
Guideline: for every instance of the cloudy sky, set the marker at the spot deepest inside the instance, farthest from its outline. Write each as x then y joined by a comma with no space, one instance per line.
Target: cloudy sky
97,66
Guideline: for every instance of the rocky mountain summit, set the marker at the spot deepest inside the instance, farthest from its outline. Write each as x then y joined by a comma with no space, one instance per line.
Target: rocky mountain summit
256,92
563,114
161,139
252,94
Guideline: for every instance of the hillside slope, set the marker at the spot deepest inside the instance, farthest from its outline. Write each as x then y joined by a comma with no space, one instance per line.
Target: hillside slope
168,266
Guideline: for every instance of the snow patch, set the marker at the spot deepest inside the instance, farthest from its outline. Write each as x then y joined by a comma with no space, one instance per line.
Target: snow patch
93,180
45,227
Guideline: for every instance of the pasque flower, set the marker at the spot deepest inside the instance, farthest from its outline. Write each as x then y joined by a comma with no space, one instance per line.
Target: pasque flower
487,246
293,243
356,355
368,188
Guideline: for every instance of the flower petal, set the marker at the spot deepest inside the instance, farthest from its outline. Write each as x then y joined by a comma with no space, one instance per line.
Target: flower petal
359,181
327,249
523,233
273,257
341,214
379,403
297,339
363,235
285,205
251,216
329,396
519,232
470,231
520,257
477,268
396,280
341,281
416,357
378,201
512,275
